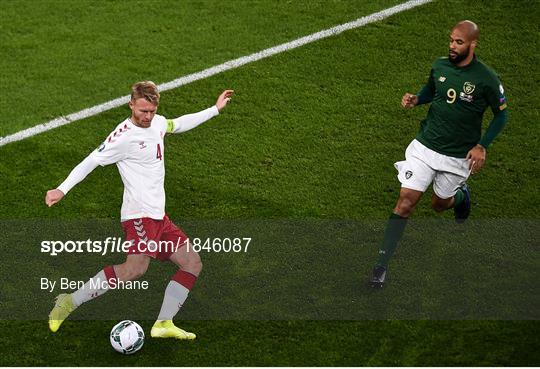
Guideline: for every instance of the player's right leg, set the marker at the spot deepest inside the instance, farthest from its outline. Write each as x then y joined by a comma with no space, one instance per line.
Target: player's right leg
140,232
134,267
62,308
67,302
408,199
415,176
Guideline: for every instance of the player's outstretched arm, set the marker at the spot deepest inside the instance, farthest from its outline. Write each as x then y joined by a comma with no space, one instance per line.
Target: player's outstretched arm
190,121
77,175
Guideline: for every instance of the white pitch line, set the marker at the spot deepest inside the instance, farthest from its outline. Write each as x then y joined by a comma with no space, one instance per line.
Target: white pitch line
231,64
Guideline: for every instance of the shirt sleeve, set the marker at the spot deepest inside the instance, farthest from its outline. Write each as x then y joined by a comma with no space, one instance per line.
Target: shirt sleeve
112,150
494,128
427,93
78,173
190,121
494,95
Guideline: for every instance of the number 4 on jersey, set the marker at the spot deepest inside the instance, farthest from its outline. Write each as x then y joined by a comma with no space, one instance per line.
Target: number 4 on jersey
158,153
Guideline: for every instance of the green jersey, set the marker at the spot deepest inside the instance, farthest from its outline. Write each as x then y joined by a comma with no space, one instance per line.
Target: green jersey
459,97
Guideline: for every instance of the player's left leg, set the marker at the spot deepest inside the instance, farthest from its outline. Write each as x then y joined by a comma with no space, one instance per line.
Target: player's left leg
462,203
440,205
180,285
451,191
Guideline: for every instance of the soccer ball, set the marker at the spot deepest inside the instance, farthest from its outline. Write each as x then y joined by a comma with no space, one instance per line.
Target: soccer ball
127,337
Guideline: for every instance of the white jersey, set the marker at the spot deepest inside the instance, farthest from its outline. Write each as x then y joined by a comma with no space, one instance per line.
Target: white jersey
139,154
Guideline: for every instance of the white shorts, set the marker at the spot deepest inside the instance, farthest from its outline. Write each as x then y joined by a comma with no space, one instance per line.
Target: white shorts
422,166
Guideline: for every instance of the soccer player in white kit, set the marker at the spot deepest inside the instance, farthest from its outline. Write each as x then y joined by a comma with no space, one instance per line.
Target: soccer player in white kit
136,147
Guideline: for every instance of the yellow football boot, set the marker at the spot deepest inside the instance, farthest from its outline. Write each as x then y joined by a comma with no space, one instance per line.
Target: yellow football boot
61,310
167,329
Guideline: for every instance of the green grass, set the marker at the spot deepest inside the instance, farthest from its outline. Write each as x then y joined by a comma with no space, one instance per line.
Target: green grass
66,56
286,343
311,136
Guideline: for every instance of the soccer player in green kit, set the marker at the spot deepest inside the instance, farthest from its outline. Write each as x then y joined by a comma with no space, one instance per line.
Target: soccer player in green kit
450,145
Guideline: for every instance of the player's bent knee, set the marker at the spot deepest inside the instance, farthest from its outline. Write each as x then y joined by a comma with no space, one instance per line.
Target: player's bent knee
192,264
437,207
199,265
440,205
188,260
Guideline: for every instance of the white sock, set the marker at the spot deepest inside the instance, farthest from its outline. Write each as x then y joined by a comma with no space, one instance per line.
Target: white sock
175,296
95,287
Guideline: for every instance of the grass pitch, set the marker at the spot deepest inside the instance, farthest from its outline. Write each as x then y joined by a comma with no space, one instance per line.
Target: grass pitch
311,135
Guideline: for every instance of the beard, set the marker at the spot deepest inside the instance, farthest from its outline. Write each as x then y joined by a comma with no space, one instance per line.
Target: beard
456,58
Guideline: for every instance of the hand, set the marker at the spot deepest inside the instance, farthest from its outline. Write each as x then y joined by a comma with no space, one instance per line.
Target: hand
409,100
53,196
224,99
476,157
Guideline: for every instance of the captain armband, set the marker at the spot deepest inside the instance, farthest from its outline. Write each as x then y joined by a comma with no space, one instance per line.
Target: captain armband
170,126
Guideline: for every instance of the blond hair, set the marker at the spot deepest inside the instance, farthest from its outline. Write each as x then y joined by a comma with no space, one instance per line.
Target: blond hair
146,90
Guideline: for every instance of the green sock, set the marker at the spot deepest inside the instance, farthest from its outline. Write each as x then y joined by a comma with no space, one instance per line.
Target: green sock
394,230
458,197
